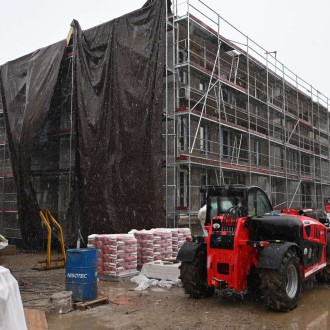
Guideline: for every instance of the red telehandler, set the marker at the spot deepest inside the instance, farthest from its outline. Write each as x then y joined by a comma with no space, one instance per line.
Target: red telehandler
250,247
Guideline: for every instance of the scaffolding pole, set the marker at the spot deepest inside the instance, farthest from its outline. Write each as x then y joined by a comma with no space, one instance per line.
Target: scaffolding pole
210,86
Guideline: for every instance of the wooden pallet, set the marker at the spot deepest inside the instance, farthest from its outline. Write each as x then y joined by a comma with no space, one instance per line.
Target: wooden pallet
82,305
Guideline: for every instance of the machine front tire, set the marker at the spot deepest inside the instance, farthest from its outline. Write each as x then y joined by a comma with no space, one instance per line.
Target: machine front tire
281,287
193,276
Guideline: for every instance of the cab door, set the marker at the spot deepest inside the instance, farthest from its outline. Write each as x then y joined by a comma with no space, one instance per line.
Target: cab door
258,202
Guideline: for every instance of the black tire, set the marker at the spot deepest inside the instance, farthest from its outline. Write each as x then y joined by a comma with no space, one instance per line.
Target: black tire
254,284
281,287
193,276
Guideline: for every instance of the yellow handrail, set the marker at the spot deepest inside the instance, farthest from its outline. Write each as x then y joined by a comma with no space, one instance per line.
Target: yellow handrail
47,218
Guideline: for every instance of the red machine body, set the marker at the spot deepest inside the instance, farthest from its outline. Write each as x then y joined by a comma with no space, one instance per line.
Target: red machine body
231,266
248,247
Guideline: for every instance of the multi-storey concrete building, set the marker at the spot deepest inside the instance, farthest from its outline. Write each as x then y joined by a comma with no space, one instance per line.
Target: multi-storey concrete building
232,114
235,114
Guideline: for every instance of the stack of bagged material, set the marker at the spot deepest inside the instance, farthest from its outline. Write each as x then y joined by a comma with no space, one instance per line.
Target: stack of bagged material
175,242
121,254
183,233
92,241
163,239
147,250
95,241
179,236
159,243
117,254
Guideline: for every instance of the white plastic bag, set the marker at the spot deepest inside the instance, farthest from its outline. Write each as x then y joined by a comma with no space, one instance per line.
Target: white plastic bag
143,282
11,307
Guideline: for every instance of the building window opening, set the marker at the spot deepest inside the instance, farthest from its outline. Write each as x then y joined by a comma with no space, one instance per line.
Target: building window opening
226,141
183,189
183,134
204,138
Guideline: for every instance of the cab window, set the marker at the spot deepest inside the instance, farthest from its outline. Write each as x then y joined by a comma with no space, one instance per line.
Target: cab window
219,205
258,203
263,205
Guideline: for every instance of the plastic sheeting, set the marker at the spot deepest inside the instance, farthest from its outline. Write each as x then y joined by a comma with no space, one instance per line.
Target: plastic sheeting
11,308
118,79
119,68
27,86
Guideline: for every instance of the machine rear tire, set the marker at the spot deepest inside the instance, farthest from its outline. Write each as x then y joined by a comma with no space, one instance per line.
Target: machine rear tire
193,276
254,283
281,287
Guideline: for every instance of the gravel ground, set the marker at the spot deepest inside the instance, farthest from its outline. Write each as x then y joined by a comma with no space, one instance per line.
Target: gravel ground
161,308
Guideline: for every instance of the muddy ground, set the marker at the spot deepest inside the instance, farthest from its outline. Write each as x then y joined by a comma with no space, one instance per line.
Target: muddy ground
159,308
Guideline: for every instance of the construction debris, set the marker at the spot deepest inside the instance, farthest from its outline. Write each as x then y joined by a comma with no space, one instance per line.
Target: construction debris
61,302
92,303
162,270
145,282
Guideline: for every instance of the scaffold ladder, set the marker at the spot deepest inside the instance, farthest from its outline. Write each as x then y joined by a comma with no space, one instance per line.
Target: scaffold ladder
236,149
222,178
234,68
222,102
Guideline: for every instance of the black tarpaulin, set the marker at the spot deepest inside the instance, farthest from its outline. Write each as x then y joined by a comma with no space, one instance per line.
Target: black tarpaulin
119,76
27,86
118,81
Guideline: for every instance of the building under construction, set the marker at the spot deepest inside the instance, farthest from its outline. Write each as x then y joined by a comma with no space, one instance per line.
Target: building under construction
235,114
230,112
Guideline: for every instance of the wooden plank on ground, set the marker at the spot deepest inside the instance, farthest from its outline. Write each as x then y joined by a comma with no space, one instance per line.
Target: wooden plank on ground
35,319
92,303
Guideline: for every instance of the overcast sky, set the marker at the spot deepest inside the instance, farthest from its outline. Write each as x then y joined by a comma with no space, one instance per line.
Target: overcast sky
297,29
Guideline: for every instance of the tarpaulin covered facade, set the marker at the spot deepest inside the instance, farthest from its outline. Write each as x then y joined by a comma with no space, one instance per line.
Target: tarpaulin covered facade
27,86
117,78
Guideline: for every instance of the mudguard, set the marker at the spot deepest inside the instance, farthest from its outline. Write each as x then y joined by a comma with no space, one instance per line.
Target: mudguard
188,251
271,257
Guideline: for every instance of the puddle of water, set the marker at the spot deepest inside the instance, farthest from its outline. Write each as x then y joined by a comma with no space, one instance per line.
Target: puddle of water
77,321
312,312
96,317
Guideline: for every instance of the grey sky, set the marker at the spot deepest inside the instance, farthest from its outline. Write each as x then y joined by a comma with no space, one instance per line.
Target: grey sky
297,29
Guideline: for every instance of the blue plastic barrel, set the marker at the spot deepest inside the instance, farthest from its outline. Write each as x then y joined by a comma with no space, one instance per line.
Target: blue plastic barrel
81,273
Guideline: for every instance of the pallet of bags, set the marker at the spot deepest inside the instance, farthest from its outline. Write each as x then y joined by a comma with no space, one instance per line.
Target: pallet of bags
179,236
117,255
175,242
146,251
163,239
183,233
96,240
91,240
155,244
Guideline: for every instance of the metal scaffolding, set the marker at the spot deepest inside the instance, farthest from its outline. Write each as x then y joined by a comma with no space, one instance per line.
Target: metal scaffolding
237,114
233,113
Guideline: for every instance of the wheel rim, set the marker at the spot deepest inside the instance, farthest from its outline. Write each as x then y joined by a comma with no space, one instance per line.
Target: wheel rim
292,281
